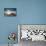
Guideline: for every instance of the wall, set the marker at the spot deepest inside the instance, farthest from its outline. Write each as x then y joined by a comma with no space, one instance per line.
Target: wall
28,12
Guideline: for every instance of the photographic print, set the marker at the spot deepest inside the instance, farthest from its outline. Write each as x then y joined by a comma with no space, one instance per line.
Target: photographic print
9,11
